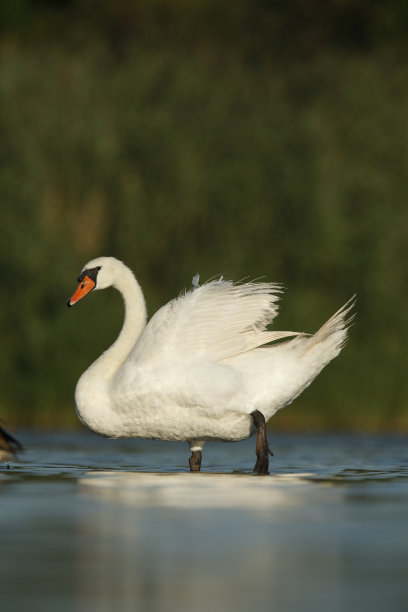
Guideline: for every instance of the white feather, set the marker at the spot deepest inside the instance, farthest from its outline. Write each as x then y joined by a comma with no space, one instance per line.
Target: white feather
196,280
220,319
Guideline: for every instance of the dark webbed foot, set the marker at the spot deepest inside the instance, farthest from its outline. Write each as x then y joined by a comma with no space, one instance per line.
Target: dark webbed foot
262,447
195,461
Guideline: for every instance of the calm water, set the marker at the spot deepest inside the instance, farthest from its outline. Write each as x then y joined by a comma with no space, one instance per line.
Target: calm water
94,524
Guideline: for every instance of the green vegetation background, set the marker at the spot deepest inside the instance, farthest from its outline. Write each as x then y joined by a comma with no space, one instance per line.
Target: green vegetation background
249,139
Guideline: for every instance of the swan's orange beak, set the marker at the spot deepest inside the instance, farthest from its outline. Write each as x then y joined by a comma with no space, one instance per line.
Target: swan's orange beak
84,287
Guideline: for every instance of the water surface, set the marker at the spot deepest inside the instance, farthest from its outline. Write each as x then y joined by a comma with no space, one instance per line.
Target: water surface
89,523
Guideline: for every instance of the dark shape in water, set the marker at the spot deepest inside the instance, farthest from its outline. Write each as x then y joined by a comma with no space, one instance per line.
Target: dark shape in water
9,445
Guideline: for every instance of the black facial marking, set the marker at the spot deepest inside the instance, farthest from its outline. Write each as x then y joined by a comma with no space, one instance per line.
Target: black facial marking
92,273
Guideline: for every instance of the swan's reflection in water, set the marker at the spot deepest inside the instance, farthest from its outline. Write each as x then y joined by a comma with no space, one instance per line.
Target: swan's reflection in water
194,541
200,490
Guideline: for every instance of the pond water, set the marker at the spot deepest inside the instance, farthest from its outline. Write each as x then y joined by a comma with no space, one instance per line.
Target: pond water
93,524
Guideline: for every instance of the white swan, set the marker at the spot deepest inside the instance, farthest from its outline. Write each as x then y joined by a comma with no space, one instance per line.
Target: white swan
199,370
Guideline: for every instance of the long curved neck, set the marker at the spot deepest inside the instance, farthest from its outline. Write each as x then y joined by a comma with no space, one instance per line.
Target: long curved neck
93,391
134,322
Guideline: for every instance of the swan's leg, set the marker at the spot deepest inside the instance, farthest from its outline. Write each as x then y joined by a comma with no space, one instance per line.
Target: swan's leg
262,446
195,459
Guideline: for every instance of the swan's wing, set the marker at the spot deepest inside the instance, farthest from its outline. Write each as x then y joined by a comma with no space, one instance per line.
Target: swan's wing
219,319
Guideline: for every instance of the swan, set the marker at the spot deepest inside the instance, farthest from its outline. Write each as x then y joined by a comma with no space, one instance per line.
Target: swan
199,369
8,444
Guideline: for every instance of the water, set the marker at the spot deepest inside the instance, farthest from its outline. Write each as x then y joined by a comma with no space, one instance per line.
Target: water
95,524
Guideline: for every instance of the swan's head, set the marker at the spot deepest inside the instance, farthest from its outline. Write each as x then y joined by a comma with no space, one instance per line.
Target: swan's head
98,273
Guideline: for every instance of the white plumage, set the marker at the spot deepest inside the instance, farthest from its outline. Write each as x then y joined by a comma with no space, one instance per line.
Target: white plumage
200,367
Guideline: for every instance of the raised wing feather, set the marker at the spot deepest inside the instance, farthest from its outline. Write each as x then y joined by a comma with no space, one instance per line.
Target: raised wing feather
219,319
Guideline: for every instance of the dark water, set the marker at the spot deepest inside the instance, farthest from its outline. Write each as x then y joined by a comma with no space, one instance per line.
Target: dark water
94,524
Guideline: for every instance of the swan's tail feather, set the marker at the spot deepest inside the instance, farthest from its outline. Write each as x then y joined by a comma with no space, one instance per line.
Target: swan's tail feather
272,336
334,331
